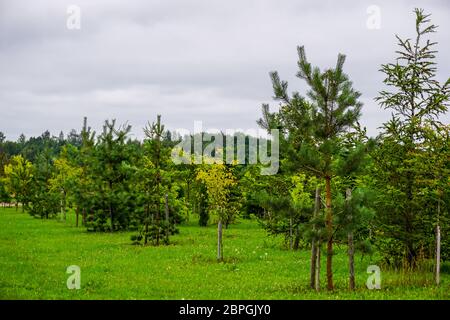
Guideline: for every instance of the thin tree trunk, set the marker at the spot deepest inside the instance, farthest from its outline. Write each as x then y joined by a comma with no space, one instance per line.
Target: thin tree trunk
438,246
111,214
77,212
84,216
317,273
111,217
290,234
64,206
438,254
190,206
411,251
314,242
351,262
167,217
61,209
158,211
313,265
219,241
146,224
329,225
296,238
91,214
351,248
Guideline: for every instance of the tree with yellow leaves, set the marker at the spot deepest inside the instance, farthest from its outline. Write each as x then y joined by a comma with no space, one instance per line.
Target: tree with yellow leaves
218,180
18,175
64,179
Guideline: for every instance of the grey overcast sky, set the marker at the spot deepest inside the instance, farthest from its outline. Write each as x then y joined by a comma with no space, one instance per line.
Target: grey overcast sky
188,59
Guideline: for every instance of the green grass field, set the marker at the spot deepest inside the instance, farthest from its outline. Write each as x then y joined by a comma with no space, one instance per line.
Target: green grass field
34,255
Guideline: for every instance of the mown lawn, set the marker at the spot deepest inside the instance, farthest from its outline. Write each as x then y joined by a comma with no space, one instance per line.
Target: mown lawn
34,255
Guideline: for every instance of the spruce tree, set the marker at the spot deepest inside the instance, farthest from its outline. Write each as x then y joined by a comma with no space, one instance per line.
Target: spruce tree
416,100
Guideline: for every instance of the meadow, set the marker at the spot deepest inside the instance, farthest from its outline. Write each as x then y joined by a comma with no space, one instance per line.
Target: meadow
35,253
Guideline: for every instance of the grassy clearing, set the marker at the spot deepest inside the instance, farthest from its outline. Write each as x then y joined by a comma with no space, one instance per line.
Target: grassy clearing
34,255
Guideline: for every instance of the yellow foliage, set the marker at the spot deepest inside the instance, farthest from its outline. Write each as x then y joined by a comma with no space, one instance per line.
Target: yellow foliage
218,180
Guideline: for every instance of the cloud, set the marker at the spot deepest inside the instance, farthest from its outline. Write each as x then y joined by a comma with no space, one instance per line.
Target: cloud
186,60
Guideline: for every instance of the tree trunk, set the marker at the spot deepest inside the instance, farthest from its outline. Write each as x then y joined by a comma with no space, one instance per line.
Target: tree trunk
84,216
190,206
91,214
290,234
317,273
351,262
167,217
219,241
314,245
77,212
111,215
438,254
411,250
351,248
64,206
61,209
296,239
329,225
438,244
146,224
409,218
313,265
158,211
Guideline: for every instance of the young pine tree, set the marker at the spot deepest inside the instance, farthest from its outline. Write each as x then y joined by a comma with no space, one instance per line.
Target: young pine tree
159,217
313,126
110,155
